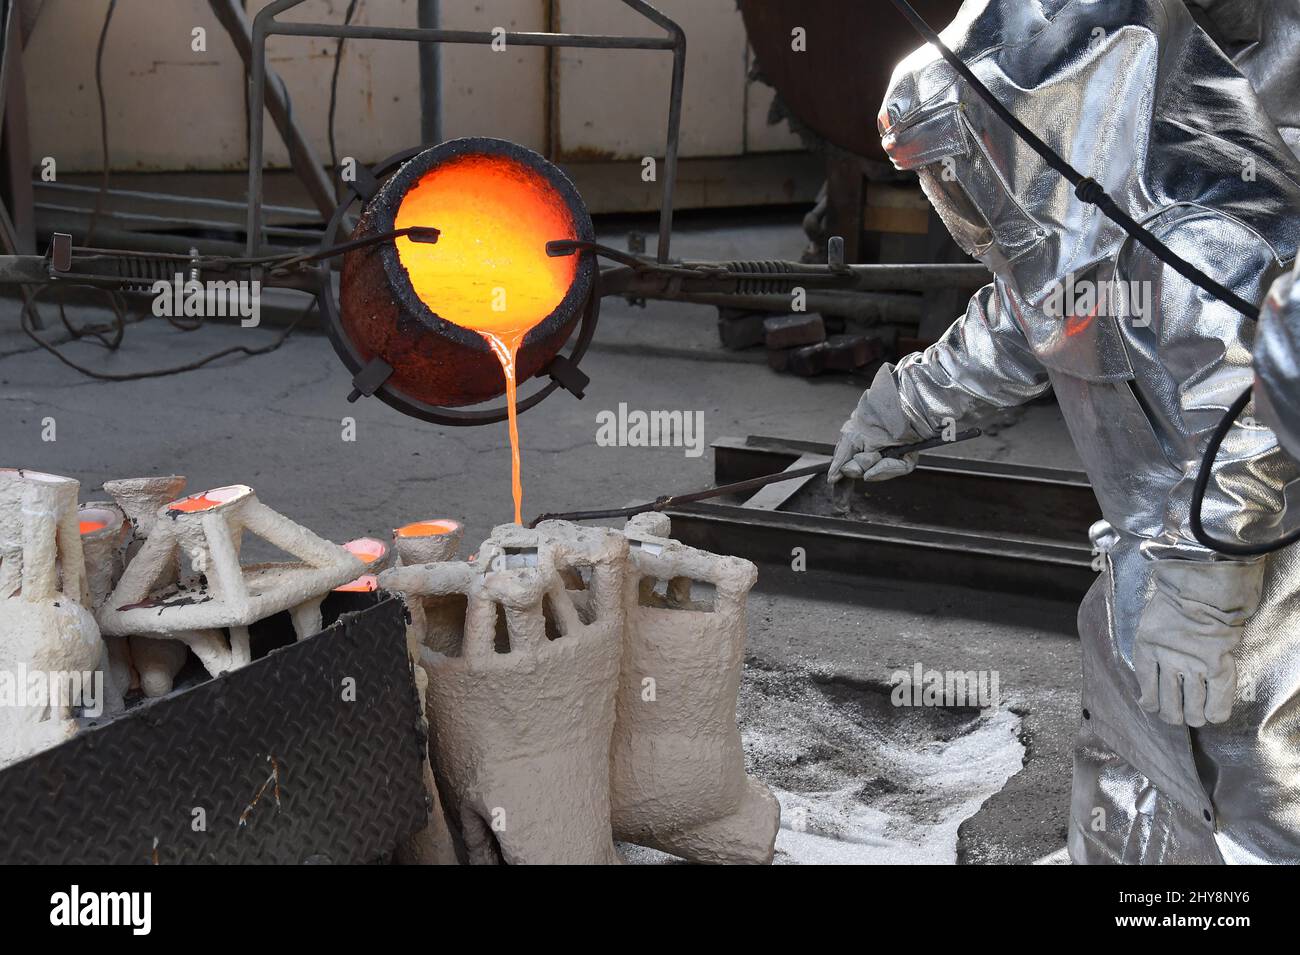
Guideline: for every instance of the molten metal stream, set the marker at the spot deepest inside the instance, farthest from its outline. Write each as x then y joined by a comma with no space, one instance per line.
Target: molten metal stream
489,271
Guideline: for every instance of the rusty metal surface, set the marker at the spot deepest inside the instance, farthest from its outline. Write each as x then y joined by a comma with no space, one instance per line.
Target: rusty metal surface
835,88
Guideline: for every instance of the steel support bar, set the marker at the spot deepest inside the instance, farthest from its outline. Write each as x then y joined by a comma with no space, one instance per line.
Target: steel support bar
484,37
427,17
308,166
705,278
196,202
1053,572
886,307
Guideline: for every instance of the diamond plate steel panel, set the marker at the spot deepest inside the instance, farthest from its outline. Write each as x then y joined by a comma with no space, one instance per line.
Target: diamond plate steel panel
283,767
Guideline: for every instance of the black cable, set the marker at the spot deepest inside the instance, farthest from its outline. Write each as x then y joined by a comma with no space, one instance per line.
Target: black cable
164,372
334,88
117,329
1202,483
1090,191
103,120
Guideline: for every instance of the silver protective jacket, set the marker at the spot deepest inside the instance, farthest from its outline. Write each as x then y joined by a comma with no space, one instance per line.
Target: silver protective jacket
1265,38
1144,364
1277,362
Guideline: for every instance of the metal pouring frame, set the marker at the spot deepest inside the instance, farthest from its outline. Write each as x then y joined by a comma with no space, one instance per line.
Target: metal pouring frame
267,24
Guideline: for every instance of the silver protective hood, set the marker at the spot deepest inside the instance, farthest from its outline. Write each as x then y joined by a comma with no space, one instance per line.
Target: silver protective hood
1131,92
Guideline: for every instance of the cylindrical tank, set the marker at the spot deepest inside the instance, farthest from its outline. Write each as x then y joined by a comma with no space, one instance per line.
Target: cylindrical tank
834,84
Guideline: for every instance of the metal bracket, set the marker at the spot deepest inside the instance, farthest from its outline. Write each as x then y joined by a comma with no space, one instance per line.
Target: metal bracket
370,379
364,185
569,377
61,252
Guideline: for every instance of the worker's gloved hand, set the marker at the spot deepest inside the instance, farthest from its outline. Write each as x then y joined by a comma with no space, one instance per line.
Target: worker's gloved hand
1186,636
878,422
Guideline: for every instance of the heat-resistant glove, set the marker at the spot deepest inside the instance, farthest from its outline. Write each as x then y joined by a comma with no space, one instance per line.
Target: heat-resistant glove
1186,636
877,422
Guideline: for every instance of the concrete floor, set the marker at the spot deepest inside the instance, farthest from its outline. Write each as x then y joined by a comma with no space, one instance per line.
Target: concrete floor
276,422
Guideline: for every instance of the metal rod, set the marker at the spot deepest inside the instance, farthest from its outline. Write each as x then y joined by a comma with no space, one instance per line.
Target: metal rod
700,278
752,484
428,16
305,162
578,40
303,235
675,95
196,201
844,303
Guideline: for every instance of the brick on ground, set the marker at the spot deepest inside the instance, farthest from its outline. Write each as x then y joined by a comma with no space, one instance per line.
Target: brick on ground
809,360
851,352
738,329
794,331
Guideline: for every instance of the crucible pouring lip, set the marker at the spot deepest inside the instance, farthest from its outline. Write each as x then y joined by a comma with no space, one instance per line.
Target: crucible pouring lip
553,330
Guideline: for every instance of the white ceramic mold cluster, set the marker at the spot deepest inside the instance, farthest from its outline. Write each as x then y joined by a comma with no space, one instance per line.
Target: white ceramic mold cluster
573,700
221,596
47,630
123,587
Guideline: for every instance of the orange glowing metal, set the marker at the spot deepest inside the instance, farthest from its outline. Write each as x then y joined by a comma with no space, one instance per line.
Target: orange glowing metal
207,500
366,548
369,550
489,271
89,527
1078,324
365,584
427,529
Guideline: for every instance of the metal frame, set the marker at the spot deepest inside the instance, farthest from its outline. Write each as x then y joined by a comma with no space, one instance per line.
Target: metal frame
966,538
267,24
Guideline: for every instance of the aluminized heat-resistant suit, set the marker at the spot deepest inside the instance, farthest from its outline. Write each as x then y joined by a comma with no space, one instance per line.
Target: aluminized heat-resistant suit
1135,95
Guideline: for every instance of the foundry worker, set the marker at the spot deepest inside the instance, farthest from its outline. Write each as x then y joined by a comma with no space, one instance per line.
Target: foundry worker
1189,746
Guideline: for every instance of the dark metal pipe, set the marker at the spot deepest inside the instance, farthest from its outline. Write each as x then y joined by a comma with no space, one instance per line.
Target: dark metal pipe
579,40
729,278
202,202
306,164
428,16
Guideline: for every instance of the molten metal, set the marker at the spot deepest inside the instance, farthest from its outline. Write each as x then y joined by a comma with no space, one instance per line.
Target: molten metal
489,271
427,529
